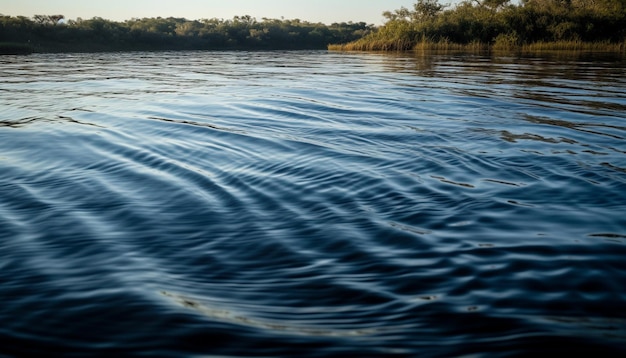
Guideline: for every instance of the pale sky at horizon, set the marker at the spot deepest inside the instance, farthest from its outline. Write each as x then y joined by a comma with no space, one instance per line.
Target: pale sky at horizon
326,11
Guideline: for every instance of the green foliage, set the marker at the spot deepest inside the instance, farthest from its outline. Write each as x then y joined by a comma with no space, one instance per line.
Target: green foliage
48,20
48,34
500,24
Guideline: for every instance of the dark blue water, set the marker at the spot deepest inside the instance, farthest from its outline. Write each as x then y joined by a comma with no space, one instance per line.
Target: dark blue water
287,204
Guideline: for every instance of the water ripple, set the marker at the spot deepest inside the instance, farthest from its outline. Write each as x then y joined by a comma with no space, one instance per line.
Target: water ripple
311,204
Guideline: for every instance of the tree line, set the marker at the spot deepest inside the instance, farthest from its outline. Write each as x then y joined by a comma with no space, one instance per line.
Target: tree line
498,24
53,33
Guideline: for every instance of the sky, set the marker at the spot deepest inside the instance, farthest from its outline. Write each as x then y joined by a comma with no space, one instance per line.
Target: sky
325,11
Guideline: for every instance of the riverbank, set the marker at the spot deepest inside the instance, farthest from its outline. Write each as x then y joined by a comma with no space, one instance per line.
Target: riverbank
172,34
8,48
401,46
533,25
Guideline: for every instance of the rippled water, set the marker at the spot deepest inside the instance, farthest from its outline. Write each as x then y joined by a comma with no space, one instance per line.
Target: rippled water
311,204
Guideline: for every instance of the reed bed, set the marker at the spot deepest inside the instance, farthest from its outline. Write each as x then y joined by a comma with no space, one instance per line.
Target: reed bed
581,46
498,46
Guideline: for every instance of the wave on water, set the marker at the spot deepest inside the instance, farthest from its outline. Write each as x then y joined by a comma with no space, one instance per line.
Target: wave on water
311,204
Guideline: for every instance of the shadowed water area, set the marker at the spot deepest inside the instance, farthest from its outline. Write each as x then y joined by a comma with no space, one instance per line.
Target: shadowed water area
312,204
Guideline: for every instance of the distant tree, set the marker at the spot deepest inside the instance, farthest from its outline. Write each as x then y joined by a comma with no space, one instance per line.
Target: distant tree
495,4
48,20
422,10
427,9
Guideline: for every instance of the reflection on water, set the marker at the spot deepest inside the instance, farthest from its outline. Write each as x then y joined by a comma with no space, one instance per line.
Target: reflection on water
312,204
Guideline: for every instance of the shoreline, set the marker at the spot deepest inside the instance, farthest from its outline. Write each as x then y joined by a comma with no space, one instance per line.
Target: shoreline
477,47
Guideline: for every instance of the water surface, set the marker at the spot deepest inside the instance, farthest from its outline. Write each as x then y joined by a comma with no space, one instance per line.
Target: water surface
311,204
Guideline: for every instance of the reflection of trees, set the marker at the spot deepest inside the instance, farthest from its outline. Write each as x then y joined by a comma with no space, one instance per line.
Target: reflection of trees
50,34
421,64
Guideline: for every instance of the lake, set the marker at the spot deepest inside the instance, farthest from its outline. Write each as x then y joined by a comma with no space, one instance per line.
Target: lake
282,204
